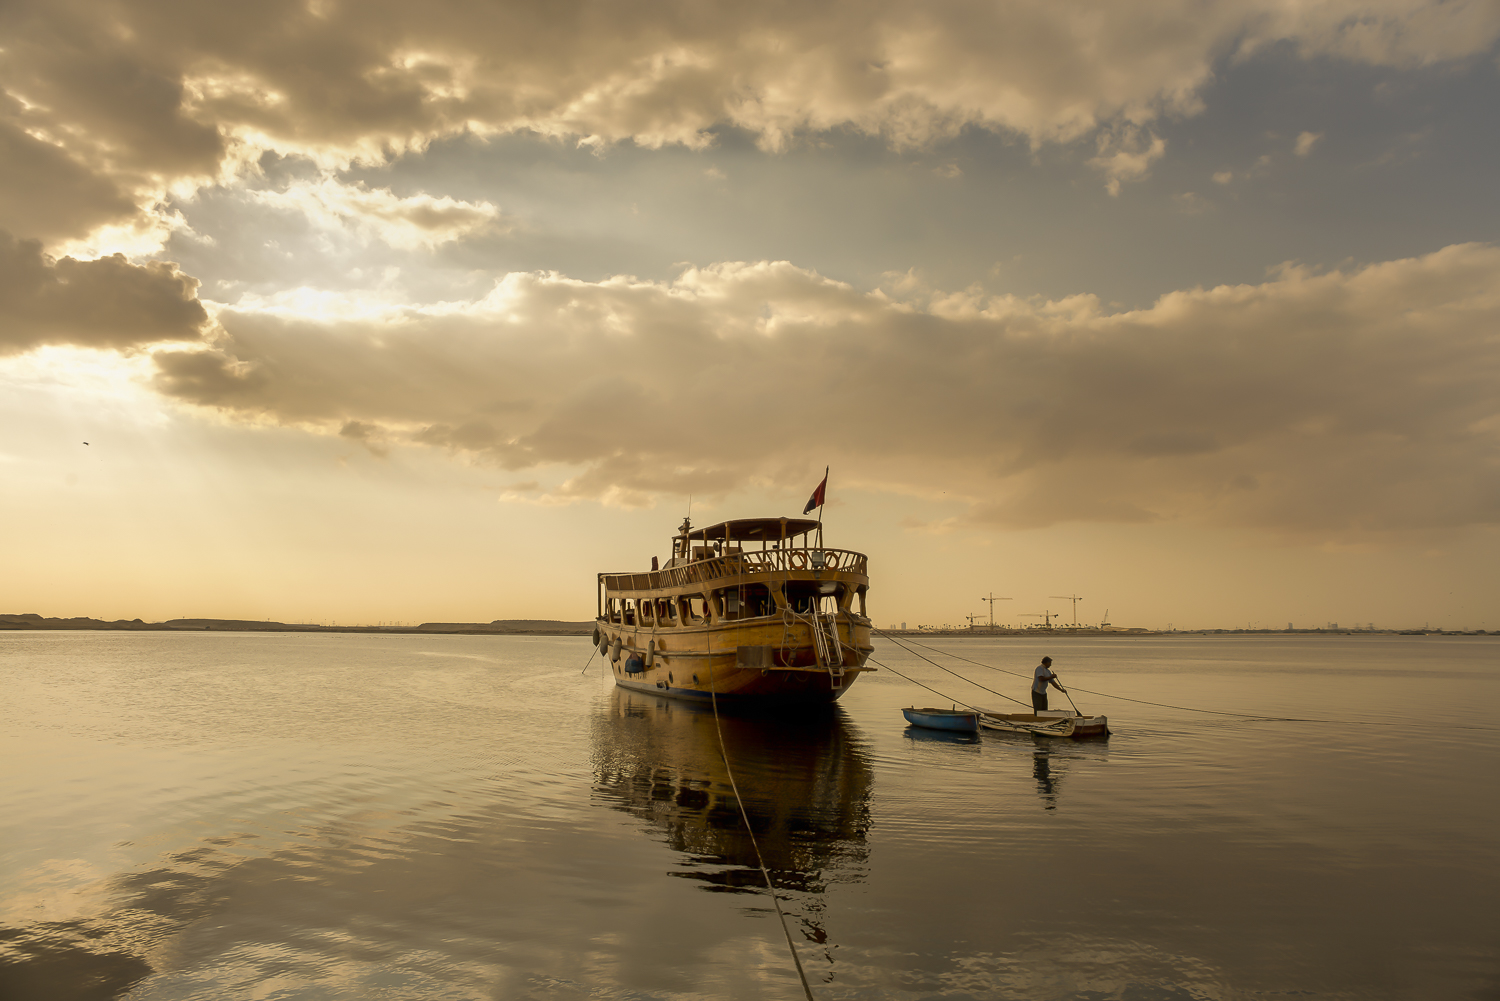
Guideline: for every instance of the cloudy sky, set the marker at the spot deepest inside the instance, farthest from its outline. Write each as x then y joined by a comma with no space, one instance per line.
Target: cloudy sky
396,312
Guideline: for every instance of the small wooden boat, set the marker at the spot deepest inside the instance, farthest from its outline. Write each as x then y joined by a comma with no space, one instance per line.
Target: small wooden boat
1046,724
956,720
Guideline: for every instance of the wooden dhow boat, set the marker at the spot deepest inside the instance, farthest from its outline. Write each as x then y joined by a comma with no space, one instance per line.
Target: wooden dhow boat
755,610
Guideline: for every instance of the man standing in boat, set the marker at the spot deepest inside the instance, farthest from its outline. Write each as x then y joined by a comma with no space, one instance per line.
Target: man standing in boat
1044,677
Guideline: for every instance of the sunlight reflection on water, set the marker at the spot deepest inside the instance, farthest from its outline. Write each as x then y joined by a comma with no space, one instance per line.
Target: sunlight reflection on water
346,816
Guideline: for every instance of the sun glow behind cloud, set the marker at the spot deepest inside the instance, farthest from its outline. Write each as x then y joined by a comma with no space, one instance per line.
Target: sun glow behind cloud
417,221
1321,403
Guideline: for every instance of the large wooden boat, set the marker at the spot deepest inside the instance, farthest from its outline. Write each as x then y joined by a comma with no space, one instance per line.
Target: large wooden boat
755,610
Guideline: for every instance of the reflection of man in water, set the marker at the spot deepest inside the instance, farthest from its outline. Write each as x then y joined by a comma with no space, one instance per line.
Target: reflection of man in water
1044,677
1046,785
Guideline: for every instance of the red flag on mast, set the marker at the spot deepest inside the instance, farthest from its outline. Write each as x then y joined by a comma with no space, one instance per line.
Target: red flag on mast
816,500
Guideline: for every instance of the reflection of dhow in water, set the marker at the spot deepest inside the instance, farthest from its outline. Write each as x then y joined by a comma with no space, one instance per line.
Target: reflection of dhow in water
805,783
752,610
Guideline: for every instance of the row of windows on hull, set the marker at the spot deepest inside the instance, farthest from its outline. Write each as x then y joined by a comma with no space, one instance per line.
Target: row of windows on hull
746,601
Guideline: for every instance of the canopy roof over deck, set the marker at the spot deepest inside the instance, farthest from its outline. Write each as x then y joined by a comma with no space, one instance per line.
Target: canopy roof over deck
755,529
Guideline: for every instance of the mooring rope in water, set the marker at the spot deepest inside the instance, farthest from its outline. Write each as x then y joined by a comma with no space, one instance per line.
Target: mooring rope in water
1164,705
940,667
1122,698
906,677
914,681
713,694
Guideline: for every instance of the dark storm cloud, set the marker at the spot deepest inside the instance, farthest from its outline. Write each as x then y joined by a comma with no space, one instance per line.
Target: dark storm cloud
105,303
1340,402
138,95
48,194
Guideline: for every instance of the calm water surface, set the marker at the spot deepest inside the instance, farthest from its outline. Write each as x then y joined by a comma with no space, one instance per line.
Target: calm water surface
345,816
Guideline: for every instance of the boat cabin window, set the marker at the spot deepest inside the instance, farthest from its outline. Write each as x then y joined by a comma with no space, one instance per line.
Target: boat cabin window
647,608
664,616
695,607
612,611
747,602
860,592
800,596
821,596
630,611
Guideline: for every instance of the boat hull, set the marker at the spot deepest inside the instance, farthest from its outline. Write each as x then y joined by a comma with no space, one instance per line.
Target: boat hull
777,687
753,662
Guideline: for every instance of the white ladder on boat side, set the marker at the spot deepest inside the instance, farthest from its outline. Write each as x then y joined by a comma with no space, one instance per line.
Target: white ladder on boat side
826,643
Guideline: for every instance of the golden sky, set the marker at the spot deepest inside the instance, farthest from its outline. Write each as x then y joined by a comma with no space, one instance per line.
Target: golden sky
393,312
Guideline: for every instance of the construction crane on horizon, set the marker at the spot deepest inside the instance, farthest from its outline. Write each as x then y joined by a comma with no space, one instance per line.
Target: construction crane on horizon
1069,597
992,599
1046,617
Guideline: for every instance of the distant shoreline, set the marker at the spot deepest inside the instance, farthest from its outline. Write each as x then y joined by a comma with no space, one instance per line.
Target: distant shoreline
499,627
559,627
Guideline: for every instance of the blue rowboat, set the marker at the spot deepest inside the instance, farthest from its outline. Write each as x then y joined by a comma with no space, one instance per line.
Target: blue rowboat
958,720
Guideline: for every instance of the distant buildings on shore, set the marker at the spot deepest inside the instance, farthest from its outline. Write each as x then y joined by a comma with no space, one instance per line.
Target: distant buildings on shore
1332,628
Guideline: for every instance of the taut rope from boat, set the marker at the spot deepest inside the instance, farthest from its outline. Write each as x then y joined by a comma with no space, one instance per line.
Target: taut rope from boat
713,694
940,667
914,681
1163,705
1104,695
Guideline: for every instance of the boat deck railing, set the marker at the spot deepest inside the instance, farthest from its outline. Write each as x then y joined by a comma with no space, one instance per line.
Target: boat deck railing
715,568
